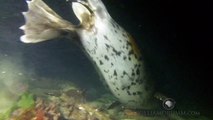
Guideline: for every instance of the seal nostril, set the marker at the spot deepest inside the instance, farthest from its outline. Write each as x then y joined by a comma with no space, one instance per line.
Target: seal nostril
64,33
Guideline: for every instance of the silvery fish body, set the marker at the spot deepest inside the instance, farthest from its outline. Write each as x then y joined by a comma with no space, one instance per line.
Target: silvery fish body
108,45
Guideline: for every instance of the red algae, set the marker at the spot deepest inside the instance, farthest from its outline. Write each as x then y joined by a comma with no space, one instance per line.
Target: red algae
40,114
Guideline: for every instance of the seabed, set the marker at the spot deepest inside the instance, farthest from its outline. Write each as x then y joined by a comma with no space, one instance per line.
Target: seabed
48,99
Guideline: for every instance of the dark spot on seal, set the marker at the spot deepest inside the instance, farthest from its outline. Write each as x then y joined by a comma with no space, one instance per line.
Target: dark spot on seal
116,31
124,57
106,57
128,93
107,46
127,47
105,37
117,26
112,64
115,73
133,83
128,87
138,71
124,73
113,24
118,94
130,52
133,74
130,58
134,93
123,88
139,93
128,43
101,63
117,88
124,35
116,52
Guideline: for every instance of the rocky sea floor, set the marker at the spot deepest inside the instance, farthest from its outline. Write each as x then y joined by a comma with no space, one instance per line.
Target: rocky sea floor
52,100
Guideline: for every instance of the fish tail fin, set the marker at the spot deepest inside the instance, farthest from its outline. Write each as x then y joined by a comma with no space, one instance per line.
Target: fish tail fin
42,23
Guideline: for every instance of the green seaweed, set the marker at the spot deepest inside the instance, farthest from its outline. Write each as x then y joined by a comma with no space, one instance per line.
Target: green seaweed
6,115
27,101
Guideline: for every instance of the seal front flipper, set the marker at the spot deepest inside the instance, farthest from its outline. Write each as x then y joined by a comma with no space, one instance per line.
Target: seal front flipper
42,23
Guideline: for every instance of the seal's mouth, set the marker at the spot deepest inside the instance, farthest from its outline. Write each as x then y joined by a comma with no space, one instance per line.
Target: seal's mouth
84,14
87,6
82,2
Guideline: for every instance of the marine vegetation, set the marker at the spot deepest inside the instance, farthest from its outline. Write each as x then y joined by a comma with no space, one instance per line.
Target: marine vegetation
69,102
55,108
25,102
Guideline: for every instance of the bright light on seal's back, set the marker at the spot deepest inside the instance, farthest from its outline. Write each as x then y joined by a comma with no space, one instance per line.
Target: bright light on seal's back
108,45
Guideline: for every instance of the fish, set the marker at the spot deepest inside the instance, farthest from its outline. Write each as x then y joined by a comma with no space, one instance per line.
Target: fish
109,46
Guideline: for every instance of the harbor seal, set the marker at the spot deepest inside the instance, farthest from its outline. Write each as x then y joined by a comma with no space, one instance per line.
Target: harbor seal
112,50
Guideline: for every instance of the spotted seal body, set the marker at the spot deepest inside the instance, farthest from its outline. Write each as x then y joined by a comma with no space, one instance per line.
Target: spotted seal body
107,44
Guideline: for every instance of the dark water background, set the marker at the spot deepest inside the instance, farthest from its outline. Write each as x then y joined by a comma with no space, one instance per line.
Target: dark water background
174,37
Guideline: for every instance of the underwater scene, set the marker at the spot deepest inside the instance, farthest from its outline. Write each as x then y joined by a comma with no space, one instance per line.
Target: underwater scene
105,60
